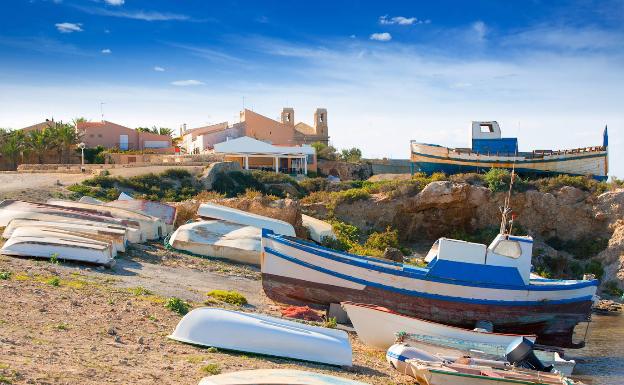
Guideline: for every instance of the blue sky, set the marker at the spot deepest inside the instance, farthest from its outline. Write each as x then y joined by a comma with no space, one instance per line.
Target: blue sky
551,72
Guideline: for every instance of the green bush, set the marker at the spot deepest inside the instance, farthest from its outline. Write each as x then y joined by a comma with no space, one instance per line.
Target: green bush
583,248
584,183
231,297
54,281
177,305
497,179
380,241
594,267
612,288
212,369
5,274
93,155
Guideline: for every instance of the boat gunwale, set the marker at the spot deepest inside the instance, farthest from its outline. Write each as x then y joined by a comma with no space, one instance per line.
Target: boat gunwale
422,273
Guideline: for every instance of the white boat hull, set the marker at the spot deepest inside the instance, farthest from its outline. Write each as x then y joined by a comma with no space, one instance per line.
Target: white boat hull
43,232
63,249
166,213
260,334
276,377
214,211
219,239
377,327
318,229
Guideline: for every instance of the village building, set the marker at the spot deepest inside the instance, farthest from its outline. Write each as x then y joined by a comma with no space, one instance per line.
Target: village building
254,125
111,135
253,154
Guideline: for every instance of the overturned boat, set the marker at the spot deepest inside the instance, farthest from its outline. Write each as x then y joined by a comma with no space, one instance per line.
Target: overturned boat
490,150
29,242
276,377
14,209
153,228
219,239
224,213
260,334
377,326
464,283
164,212
116,234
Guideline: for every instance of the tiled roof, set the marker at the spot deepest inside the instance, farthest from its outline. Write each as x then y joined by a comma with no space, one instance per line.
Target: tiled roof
305,129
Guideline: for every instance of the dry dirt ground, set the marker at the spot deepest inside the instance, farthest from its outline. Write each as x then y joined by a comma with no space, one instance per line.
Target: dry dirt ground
110,326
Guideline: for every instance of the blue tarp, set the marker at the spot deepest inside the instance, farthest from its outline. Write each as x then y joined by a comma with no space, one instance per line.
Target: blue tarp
494,146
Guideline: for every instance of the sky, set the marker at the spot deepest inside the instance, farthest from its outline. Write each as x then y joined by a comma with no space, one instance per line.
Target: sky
550,72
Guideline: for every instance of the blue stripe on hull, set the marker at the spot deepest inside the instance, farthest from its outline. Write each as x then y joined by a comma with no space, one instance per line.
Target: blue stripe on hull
431,167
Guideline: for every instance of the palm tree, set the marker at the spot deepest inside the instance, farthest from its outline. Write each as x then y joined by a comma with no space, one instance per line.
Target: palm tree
13,146
80,119
163,131
39,142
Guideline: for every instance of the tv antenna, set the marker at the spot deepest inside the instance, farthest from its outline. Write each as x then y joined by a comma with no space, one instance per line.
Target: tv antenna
102,110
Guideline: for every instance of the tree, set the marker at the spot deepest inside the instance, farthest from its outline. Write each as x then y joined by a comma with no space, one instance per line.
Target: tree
77,120
156,130
143,129
39,142
324,151
351,155
13,146
65,136
164,131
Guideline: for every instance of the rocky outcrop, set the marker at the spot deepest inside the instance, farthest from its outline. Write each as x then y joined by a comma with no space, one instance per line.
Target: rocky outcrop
345,170
210,173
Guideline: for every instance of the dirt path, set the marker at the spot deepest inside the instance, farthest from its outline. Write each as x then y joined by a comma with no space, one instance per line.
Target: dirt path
70,324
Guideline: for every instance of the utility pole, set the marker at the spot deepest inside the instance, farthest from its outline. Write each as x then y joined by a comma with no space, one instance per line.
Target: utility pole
102,110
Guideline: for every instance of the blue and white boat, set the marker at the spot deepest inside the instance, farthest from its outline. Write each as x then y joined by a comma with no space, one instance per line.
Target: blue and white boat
489,149
463,283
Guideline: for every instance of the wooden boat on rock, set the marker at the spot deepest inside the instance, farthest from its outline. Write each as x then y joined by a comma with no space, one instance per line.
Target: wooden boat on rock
260,334
377,326
490,150
13,209
152,227
117,235
464,283
224,213
219,239
276,377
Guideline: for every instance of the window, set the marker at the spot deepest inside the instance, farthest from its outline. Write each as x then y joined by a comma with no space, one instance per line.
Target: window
310,158
487,128
91,136
99,135
508,248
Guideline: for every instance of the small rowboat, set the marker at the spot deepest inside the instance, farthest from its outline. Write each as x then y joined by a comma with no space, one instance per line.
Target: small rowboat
164,212
260,334
377,326
276,377
214,211
219,239
428,369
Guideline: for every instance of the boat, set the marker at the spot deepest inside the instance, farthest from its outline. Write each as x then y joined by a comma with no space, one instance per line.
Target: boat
219,239
152,227
490,150
260,334
319,230
429,369
48,244
463,284
117,235
14,209
377,326
224,213
276,377
164,212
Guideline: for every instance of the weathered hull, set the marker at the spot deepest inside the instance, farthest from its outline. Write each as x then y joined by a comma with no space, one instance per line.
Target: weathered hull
552,323
430,158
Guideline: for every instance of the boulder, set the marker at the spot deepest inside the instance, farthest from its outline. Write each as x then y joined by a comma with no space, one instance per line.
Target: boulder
209,175
393,254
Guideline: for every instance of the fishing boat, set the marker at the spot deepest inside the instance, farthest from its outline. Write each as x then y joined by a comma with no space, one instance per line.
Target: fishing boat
489,149
46,244
164,212
429,369
377,326
224,213
117,235
260,334
219,239
14,209
152,227
276,377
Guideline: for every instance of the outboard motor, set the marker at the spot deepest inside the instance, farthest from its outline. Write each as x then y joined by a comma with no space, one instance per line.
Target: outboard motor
520,353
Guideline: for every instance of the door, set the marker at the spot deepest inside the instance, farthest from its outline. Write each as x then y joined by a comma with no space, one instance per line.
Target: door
123,142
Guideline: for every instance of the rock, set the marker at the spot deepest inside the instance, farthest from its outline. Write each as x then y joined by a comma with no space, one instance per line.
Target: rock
112,331
393,254
140,340
210,173
345,170
117,339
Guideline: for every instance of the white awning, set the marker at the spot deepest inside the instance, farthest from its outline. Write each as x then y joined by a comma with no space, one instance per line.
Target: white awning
250,146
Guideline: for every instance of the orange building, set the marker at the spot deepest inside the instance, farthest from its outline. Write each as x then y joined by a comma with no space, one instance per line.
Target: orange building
111,135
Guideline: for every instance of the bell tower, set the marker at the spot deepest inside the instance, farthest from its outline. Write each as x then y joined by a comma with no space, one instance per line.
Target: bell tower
320,122
288,116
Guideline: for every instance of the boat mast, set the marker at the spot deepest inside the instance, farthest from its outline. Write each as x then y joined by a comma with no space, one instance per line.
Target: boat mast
506,209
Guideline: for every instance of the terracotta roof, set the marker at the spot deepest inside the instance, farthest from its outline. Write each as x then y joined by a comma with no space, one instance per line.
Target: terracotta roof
39,126
207,129
305,129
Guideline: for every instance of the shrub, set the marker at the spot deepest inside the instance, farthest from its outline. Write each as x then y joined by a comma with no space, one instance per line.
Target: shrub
583,248
330,323
380,241
231,297
584,183
497,179
5,274
177,305
612,288
212,369
351,195
54,281
140,290
594,267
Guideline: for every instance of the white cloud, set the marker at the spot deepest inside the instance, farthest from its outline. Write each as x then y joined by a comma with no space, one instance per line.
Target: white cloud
564,38
69,27
159,69
106,51
480,30
401,20
186,83
383,36
115,2
137,15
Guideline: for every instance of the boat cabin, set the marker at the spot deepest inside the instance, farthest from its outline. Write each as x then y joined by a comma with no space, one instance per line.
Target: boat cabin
506,261
487,139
